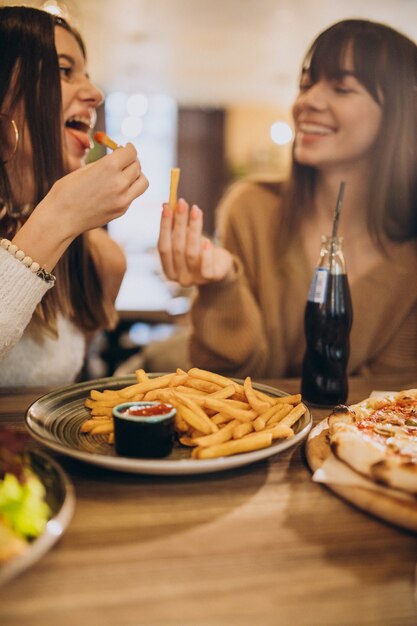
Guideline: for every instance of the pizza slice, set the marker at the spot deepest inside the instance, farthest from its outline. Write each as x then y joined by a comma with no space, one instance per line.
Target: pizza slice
378,438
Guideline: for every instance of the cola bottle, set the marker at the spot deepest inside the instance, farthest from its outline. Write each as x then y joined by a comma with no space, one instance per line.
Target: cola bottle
327,323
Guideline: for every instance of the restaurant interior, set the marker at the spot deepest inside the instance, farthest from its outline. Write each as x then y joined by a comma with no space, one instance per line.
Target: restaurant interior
206,86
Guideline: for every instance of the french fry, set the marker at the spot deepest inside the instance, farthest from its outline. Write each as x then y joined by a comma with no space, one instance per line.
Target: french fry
294,415
141,375
203,386
258,424
223,393
281,410
222,381
226,407
262,396
181,425
242,429
173,186
178,379
215,416
281,431
295,399
90,426
220,418
103,428
105,140
193,420
145,386
87,426
222,435
91,404
163,395
103,395
255,441
102,410
188,441
256,404
197,410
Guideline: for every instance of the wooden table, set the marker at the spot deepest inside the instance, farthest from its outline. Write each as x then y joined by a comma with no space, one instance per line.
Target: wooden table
262,545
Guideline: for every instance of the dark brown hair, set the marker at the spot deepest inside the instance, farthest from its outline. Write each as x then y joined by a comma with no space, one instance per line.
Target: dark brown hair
30,79
385,62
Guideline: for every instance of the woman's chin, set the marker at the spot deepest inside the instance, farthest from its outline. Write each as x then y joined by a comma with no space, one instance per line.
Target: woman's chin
73,162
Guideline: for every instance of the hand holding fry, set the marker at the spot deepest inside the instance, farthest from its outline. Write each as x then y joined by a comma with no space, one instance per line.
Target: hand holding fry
187,256
216,416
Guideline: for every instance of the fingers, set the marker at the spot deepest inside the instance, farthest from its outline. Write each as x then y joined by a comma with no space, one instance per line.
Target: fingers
186,255
139,186
165,242
193,240
179,242
123,156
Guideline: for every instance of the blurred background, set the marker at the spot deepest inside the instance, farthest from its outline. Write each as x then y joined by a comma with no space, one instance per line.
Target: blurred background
206,85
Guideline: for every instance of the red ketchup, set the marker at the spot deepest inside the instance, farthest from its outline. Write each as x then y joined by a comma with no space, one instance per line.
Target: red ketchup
148,410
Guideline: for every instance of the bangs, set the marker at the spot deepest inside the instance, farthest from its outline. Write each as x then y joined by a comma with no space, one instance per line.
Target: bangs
354,41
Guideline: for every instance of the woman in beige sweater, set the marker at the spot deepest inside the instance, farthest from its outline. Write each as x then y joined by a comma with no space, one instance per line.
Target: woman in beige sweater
355,119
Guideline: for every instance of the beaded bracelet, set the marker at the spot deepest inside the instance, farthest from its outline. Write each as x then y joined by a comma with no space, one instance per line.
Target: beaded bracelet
28,261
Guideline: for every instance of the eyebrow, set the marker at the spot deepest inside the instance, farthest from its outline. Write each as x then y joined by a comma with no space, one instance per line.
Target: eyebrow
337,75
70,59
67,57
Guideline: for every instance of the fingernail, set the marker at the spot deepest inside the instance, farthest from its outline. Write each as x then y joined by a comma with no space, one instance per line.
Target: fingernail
195,212
166,210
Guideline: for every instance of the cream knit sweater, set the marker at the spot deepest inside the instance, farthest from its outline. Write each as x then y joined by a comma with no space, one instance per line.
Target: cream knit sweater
26,359
254,324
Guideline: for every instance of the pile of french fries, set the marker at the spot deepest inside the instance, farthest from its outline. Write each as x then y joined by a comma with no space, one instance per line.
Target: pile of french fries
215,415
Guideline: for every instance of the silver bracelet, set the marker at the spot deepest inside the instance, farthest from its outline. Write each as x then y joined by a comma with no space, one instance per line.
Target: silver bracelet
28,261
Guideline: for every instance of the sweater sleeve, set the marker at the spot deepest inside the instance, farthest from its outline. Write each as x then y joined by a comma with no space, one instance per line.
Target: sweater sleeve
20,292
228,327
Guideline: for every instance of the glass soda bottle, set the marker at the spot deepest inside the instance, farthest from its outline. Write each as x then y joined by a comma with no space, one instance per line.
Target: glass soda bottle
327,323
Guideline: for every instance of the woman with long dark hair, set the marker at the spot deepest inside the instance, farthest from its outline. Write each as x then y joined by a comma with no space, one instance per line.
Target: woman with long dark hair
59,271
355,120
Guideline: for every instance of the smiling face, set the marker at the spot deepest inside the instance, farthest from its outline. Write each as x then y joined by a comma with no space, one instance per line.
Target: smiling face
79,99
337,121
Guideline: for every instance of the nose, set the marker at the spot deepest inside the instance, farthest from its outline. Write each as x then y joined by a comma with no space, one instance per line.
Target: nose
314,97
90,94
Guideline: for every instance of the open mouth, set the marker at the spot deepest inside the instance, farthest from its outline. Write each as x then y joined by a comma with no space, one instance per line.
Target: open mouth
79,126
79,122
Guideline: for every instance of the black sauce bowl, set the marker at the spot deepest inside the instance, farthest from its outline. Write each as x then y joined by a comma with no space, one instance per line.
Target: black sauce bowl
143,436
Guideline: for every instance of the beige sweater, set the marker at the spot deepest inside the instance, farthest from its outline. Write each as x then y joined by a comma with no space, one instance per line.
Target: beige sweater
253,324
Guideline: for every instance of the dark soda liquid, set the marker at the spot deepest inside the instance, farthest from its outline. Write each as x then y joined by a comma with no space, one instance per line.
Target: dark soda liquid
327,329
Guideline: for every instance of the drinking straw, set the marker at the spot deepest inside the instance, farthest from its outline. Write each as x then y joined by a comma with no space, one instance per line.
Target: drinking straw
338,209
336,218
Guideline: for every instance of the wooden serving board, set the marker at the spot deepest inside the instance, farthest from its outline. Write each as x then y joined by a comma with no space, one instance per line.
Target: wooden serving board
394,510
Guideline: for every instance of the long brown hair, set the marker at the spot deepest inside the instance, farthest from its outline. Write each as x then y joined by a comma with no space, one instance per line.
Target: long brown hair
385,62
29,79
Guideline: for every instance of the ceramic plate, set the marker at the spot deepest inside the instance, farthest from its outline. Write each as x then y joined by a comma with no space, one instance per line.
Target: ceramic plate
61,500
56,418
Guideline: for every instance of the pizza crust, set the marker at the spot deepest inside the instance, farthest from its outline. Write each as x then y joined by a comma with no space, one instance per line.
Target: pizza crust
395,474
387,460
383,504
357,450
